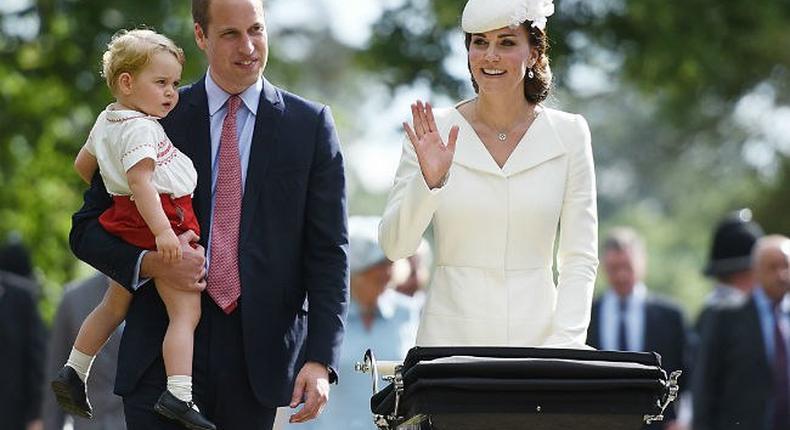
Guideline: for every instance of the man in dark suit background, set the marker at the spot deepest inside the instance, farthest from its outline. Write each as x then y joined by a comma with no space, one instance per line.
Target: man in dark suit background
271,204
741,377
627,318
730,262
22,339
79,299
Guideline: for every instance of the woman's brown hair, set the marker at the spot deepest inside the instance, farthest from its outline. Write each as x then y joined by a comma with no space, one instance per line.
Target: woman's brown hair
536,89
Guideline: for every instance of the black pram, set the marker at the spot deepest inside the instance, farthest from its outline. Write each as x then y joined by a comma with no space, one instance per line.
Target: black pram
480,388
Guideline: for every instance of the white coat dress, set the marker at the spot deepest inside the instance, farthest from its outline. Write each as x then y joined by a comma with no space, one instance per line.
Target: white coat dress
495,231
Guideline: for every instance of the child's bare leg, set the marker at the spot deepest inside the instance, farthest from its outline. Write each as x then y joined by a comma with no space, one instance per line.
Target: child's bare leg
98,327
103,320
69,385
183,309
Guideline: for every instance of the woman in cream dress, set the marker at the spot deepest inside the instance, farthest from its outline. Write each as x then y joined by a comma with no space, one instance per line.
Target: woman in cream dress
513,181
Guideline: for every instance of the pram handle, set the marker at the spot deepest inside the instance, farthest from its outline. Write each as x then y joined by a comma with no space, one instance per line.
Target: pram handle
384,369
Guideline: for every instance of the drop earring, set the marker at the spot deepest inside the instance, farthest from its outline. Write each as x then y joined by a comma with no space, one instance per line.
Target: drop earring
531,74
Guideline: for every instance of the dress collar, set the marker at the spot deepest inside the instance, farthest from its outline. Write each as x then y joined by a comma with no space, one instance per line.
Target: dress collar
637,296
539,144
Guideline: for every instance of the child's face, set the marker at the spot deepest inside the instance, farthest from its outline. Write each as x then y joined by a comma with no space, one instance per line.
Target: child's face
154,90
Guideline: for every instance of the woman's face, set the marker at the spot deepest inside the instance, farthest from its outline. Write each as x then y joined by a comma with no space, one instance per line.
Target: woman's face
368,285
499,59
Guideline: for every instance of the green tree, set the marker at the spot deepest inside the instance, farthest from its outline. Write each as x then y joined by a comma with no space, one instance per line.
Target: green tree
668,145
51,92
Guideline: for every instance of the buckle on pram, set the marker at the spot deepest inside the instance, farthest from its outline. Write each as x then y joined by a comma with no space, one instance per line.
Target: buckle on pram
672,394
390,372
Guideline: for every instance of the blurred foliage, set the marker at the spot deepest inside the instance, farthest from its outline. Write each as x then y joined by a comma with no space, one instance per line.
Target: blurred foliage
669,152
51,92
695,57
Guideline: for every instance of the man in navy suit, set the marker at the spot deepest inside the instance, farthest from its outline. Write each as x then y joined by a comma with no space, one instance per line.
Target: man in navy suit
741,380
627,318
283,246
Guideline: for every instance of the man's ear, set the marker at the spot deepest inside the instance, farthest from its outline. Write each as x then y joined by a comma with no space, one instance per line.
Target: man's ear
200,37
125,81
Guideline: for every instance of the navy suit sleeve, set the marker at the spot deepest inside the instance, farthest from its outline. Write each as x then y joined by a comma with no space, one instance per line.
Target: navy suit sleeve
325,264
93,245
682,342
708,371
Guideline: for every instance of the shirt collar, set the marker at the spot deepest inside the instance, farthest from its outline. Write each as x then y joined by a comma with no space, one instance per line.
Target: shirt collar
638,295
116,113
217,96
764,302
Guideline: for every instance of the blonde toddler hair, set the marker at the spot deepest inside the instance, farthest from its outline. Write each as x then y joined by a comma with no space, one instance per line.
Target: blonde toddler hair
129,51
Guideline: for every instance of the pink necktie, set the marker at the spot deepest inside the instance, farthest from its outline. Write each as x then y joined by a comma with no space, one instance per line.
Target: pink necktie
224,282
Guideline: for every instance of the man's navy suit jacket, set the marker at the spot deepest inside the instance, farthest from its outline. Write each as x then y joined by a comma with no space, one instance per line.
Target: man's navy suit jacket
293,244
733,378
664,333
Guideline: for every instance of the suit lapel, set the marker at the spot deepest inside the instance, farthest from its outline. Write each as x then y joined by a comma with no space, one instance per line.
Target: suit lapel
264,140
753,333
199,139
652,327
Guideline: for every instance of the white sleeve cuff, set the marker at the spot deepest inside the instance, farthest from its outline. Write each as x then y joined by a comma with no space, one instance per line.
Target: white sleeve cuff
137,282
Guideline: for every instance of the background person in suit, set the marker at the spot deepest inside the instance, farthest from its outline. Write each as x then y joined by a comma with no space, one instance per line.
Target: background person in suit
15,259
741,378
22,339
78,301
730,262
627,318
271,206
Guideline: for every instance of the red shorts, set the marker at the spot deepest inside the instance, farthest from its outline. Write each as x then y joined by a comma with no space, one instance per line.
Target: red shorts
123,219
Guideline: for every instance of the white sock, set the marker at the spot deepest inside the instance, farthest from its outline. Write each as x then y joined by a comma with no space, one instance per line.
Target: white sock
181,387
81,363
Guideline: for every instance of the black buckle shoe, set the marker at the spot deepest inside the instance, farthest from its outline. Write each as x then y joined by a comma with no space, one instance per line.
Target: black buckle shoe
71,393
171,407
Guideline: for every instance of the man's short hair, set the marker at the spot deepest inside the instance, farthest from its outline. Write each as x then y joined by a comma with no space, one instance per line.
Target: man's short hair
625,239
200,13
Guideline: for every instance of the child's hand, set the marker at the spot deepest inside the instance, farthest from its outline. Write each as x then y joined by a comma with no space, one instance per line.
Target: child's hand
168,245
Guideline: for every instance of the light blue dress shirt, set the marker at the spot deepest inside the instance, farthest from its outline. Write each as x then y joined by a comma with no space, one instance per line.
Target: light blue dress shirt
765,310
392,334
245,125
635,319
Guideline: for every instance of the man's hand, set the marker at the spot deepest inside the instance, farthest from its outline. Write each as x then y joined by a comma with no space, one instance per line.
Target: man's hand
674,425
36,424
312,385
187,274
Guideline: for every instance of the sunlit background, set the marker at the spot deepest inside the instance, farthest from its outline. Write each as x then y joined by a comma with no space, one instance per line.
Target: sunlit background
688,104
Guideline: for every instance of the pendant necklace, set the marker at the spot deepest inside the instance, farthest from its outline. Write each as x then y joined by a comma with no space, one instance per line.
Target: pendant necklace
502,135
